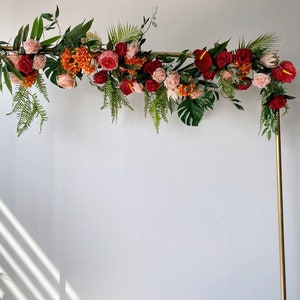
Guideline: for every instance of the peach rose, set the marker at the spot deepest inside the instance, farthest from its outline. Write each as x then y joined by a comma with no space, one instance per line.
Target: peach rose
172,81
132,50
31,46
39,61
14,79
159,75
14,60
196,93
226,75
261,80
66,81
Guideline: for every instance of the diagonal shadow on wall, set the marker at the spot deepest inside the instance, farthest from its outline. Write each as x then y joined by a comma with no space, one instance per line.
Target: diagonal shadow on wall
26,273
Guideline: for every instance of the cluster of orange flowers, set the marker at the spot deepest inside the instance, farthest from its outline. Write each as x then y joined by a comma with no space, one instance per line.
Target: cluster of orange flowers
135,61
77,60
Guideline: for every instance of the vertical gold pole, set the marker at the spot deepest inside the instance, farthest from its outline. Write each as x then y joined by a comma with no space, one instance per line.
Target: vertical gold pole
280,210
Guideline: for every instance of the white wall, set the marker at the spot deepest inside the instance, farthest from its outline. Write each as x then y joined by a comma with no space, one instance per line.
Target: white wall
189,213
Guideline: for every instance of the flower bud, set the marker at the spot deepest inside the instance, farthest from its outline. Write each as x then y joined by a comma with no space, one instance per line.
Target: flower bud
269,59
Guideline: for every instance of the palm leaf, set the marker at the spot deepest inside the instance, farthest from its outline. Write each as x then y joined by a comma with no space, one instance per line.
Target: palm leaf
124,33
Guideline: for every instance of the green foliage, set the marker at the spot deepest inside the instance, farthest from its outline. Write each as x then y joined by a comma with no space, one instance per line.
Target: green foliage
263,42
268,122
123,33
41,86
51,69
27,107
158,107
191,111
114,98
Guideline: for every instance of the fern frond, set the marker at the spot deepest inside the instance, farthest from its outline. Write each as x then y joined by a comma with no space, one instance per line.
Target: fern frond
158,108
147,103
114,98
27,107
124,33
227,89
41,86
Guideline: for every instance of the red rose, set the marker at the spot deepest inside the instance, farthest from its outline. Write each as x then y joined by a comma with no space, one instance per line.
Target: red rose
203,60
284,72
151,66
243,56
108,60
210,75
224,58
244,84
100,77
121,49
151,85
126,86
25,64
278,102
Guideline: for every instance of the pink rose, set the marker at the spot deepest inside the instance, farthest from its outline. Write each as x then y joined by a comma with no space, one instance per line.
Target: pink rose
172,81
39,61
261,80
66,81
159,75
132,50
14,79
14,60
31,46
108,60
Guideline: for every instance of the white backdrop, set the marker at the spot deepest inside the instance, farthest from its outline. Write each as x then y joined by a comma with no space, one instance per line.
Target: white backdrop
125,213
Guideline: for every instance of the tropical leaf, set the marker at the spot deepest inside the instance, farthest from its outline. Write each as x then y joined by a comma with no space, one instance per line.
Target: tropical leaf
124,33
191,111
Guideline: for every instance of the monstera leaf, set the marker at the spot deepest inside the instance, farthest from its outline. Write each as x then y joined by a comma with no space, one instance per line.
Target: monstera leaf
191,111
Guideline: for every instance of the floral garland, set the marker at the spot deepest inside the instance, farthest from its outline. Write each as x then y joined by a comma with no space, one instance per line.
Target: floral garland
120,67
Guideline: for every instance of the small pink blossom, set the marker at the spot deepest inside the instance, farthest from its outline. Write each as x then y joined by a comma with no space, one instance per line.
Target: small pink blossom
39,61
172,81
137,87
132,50
31,46
159,75
14,79
66,81
14,60
261,80
196,93
226,75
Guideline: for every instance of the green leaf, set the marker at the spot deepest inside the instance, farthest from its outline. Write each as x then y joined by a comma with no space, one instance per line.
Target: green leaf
35,28
47,16
190,111
18,40
40,29
1,70
57,12
124,33
25,33
50,41
7,79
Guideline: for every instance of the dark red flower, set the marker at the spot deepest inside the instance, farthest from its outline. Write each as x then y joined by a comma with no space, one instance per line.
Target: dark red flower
284,72
278,102
121,49
203,60
244,84
210,75
151,66
25,64
224,58
126,86
243,56
151,85
100,77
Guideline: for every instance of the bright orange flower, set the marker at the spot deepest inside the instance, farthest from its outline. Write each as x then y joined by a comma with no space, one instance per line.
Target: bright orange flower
30,79
186,90
137,62
68,62
244,68
84,60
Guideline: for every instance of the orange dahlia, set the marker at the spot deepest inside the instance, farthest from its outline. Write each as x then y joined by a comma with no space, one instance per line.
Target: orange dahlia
84,60
68,62
186,90
30,79
137,62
